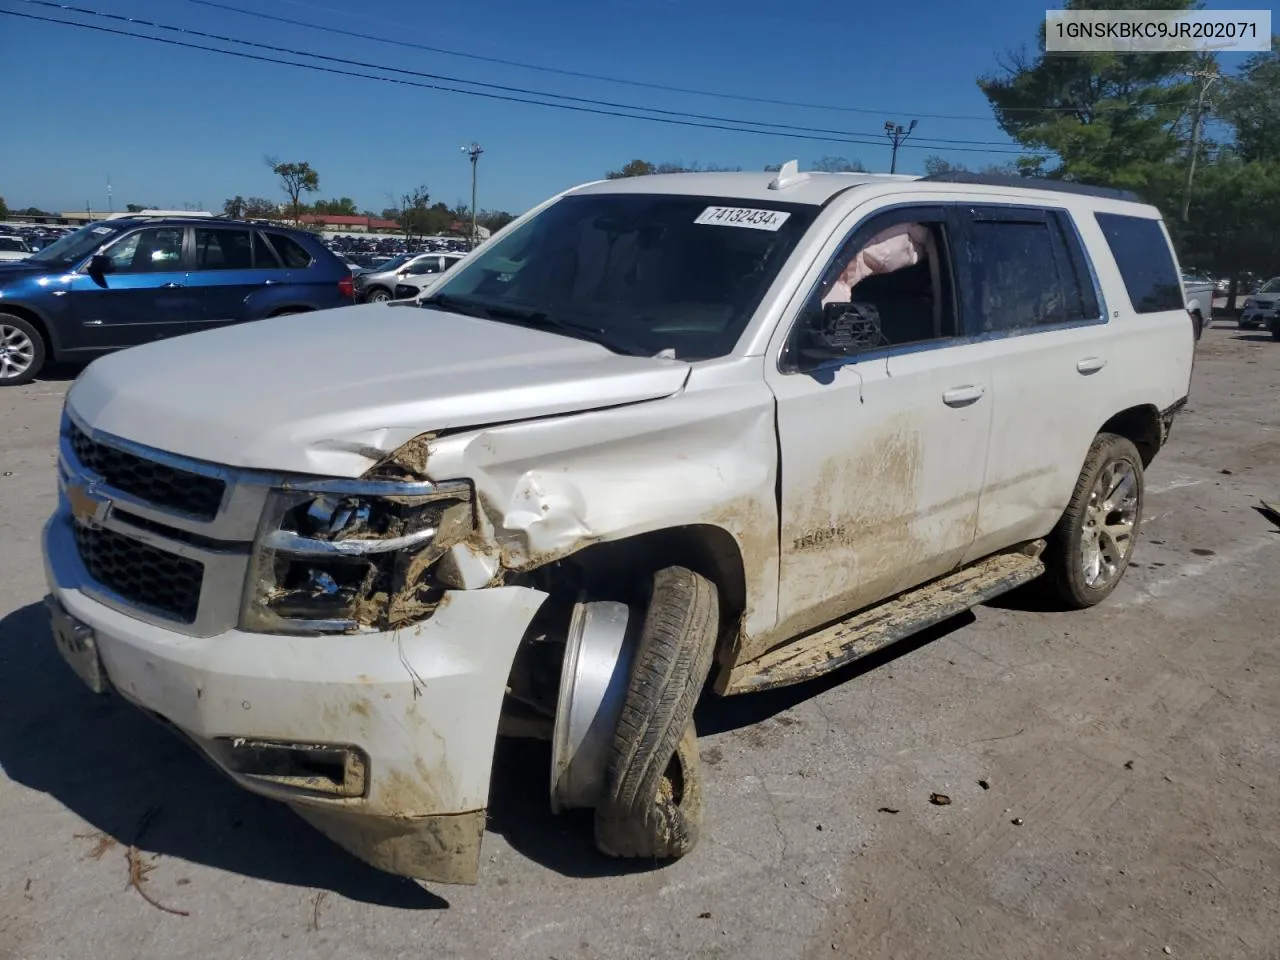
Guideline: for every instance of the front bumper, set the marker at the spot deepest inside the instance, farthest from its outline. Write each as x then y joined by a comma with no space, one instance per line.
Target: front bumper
415,711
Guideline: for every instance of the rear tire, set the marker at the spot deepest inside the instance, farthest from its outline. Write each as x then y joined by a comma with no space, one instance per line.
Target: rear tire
653,797
1199,321
1089,550
22,351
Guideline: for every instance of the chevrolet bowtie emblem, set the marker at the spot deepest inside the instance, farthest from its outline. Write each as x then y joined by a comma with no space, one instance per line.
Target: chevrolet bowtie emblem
88,507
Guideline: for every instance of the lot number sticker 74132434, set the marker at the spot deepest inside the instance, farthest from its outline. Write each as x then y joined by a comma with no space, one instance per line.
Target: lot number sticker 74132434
743,217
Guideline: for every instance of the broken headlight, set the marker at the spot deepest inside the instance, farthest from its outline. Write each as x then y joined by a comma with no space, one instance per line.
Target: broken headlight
339,556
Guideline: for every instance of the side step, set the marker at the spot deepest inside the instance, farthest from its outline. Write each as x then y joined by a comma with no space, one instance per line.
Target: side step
876,627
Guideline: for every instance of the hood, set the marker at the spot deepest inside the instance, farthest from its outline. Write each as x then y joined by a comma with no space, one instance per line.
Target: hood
1265,299
334,391
17,269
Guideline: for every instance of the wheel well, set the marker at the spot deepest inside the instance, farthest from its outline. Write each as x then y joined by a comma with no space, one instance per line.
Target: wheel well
34,319
621,569
1141,427
284,311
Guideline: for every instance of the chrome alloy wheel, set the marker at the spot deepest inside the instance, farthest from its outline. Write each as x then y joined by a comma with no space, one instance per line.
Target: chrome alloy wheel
1110,522
16,352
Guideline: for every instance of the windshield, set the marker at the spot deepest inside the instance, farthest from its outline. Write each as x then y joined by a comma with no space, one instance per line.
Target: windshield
75,246
394,262
1271,286
656,271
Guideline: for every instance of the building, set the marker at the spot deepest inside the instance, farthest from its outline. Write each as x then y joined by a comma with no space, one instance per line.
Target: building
349,224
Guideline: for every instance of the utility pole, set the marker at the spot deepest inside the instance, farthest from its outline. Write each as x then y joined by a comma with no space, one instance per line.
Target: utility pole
473,152
111,207
897,133
1206,78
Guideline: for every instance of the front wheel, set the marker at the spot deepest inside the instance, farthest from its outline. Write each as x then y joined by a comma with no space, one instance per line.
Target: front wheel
1089,550
378,295
652,806
22,351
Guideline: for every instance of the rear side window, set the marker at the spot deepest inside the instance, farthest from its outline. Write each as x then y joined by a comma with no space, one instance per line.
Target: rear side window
1014,270
1026,269
223,249
293,253
264,257
1145,261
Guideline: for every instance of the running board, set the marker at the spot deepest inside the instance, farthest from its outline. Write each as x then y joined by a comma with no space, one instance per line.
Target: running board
876,627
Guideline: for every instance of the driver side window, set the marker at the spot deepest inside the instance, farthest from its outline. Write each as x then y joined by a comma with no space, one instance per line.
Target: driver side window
153,250
889,285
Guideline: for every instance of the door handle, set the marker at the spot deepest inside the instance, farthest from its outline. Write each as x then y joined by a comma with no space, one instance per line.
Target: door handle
1090,365
171,286
963,396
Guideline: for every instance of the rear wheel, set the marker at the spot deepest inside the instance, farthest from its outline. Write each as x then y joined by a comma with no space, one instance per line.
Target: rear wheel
652,805
22,351
1089,550
1198,318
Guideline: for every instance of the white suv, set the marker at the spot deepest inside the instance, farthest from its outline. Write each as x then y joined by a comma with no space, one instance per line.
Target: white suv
659,430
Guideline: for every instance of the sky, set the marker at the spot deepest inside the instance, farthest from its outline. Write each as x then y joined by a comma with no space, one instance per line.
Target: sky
182,128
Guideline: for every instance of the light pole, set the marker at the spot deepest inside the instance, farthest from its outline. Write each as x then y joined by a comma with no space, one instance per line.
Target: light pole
473,152
1206,78
897,133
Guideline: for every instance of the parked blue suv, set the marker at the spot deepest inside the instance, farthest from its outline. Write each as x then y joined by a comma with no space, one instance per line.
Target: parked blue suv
119,283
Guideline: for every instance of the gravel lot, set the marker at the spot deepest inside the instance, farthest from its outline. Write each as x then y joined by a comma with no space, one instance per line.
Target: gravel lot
1131,755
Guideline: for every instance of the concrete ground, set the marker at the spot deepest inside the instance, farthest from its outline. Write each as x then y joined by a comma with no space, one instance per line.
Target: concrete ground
1130,756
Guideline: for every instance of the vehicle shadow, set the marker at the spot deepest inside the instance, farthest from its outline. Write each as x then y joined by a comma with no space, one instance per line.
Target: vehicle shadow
520,809
62,372
112,766
723,714
1254,337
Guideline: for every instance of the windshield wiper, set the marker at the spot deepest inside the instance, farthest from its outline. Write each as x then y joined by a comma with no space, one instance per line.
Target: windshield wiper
457,305
540,319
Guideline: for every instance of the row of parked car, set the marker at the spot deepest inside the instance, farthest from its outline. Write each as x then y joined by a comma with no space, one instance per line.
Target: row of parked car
123,282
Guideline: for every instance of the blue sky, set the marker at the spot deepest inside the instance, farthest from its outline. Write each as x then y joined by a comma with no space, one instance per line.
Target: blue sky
174,126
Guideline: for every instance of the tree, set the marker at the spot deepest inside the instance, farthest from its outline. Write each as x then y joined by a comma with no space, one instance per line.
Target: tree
1250,102
635,168
138,207
1109,118
344,207
4,210
837,165
234,207
295,180
935,165
411,211
259,208
493,220
643,168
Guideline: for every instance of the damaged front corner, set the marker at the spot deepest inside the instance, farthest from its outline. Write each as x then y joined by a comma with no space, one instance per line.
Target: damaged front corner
439,849
406,462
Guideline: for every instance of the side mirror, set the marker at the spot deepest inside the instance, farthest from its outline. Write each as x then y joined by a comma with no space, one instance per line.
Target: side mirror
99,266
842,330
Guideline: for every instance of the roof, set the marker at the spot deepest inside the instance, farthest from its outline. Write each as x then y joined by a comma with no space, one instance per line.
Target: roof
813,188
348,220
176,214
817,188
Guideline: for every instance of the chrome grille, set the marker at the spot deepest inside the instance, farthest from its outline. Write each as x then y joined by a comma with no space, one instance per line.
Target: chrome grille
141,574
156,483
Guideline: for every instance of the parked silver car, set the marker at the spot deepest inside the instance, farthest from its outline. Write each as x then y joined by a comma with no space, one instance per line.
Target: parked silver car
379,284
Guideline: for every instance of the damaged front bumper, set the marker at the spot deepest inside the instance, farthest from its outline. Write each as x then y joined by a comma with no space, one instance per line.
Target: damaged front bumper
382,740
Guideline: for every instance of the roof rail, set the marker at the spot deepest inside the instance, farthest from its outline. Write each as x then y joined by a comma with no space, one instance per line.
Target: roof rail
1033,183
